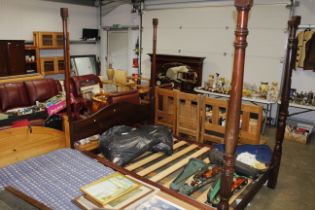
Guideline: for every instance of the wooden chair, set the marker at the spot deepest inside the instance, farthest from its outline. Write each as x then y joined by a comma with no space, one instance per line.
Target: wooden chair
122,82
213,121
165,107
251,123
188,115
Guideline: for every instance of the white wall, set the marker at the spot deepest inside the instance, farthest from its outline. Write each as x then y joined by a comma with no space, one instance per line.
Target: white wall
19,18
121,15
209,32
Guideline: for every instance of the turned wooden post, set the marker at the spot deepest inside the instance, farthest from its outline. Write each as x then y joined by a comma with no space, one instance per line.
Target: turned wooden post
234,108
64,16
283,110
155,22
153,67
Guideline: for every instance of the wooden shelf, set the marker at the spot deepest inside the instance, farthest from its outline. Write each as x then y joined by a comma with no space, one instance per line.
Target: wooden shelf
83,41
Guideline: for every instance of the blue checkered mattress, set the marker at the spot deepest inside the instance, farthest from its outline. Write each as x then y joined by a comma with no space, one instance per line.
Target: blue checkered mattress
55,178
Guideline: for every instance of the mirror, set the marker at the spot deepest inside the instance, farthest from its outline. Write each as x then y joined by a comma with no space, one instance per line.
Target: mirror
84,64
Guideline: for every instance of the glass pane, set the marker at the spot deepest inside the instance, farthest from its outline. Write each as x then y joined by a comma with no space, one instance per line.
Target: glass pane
49,65
61,65
47,40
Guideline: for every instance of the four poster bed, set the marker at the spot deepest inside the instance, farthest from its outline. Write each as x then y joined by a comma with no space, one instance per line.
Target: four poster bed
125,113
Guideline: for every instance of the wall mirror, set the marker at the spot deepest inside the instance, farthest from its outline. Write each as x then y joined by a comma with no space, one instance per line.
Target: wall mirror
84,64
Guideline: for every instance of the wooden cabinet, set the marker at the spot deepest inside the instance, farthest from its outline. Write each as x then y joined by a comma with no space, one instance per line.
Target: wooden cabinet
48,40
12,59
52,65
45,41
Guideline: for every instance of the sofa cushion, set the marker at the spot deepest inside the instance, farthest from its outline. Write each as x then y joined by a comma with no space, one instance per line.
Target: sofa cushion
13,95
42,89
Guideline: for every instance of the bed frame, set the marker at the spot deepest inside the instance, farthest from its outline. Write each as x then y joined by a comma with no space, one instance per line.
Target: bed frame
124,113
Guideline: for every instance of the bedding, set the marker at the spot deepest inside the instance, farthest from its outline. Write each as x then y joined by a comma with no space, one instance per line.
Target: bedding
54,178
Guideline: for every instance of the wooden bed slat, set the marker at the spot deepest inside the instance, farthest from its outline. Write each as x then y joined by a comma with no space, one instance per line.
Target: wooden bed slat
152,157
167,160
178,165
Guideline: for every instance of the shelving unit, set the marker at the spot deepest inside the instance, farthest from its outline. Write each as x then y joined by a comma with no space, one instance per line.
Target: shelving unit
31,59
49,41
52,65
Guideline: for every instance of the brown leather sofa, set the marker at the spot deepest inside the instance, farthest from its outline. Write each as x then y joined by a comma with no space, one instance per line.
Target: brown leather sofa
26,93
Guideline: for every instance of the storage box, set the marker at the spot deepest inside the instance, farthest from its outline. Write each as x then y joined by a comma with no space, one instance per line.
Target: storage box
299,132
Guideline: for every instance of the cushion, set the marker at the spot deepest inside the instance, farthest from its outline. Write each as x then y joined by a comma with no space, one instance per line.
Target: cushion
13,95
42,89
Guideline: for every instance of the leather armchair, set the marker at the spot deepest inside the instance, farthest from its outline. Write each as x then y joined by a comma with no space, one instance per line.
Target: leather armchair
76,83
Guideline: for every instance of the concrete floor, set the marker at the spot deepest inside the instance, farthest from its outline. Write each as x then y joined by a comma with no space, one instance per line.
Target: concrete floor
296,184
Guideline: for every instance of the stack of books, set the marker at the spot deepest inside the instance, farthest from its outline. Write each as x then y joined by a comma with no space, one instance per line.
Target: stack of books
115,191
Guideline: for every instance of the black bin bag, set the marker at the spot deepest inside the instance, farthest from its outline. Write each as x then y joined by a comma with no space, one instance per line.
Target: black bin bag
122,144
164,134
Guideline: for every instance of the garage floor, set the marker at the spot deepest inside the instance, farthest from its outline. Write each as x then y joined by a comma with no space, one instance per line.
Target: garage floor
295,189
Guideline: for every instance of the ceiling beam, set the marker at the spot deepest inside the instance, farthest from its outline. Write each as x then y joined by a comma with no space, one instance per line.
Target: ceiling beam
90,3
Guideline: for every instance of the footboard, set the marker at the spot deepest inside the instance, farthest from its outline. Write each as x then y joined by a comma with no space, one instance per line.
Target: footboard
24,142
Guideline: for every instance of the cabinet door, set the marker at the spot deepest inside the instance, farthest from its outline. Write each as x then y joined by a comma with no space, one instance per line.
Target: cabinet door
46,40
16,57
59,40
3,59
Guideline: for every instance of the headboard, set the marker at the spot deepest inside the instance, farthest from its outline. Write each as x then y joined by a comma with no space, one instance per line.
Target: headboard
163,62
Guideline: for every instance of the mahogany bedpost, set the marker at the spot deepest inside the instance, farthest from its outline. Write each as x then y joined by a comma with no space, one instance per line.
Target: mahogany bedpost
234,108
64,15
155,22
283,110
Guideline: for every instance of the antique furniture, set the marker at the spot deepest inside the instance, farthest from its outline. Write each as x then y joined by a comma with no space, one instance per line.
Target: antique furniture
268,104
127,114
188,115
163,62
45,41
165,107
214,116
12,59
48,40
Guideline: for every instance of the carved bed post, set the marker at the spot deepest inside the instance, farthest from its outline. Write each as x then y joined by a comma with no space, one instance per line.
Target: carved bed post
283,110
155,22
64,16
234,108
153,67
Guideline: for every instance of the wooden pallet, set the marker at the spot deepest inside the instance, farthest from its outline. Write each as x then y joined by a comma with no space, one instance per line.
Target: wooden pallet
163,169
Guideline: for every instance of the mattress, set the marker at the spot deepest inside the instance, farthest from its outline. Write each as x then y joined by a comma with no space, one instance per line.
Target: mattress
54,178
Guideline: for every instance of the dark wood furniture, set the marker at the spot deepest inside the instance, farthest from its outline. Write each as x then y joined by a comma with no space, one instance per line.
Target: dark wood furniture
12,59
121,113
163,62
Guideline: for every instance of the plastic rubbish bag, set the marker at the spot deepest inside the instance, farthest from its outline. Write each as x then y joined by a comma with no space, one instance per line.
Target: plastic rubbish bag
122,144
164,134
